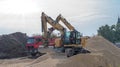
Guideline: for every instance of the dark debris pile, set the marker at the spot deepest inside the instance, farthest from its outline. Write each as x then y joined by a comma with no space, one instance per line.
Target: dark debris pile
12,45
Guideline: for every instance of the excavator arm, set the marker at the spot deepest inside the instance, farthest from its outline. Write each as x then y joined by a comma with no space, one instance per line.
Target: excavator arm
46,19
61,18
44,25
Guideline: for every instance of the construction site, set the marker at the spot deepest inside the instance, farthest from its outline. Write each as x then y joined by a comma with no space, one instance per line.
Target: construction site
70,49
103,54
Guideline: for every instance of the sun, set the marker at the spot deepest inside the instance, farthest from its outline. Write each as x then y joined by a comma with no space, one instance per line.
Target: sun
18,6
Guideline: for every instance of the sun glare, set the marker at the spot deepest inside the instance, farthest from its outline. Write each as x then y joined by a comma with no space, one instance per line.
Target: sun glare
18,6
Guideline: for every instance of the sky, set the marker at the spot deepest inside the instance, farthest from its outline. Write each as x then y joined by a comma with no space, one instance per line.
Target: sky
85,15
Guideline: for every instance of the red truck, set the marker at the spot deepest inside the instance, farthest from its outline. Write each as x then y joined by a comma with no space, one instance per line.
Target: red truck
33,43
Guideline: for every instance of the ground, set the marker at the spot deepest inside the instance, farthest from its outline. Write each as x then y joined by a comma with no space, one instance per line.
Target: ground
103,54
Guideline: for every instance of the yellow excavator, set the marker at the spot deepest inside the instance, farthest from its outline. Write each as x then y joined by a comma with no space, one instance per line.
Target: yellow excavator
71,42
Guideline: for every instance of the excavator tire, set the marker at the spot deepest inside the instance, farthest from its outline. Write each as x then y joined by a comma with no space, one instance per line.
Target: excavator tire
33,54
69,52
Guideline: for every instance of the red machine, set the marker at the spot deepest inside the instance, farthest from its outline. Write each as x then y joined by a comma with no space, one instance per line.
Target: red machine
34,42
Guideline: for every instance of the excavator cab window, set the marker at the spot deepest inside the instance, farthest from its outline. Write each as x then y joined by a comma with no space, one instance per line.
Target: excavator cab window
67,34
30,40
75,37
78,38
66,38
78,35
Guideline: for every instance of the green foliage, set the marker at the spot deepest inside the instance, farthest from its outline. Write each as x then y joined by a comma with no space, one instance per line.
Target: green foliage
112,33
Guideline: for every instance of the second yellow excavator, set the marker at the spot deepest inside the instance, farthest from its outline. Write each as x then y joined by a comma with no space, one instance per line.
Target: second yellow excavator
71,42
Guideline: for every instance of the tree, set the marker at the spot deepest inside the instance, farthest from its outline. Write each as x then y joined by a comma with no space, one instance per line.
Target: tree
107,32
117,33
112,33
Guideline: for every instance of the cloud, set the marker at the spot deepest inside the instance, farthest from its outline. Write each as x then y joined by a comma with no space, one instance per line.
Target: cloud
85,15
18,7
28,24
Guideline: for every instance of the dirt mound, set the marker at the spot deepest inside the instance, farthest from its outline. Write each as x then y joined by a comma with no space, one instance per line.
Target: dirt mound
44,61
98,43
103,54
15,62
12,45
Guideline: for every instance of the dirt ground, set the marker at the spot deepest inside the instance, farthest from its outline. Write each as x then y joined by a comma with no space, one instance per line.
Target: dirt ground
50,59
103,54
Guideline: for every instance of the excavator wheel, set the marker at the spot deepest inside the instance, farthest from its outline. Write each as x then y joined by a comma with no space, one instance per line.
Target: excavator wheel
33,54
69,52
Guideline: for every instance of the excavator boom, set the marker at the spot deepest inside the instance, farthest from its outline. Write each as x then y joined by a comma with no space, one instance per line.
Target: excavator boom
61,18
46,19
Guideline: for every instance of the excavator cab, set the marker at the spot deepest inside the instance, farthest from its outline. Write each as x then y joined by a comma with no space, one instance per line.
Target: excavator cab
72,37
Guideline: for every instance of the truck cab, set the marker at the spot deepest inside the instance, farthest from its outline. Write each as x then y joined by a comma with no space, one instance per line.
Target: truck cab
33,44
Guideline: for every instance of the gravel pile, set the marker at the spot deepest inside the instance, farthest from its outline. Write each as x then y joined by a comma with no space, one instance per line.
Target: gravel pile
12,45
103,54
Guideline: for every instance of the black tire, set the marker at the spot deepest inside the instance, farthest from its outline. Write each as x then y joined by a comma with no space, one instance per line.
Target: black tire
84,51
33,54
63,49
69,52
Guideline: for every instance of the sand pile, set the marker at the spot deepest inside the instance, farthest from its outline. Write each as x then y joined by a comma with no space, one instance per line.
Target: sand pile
44,61
103,54
16,62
